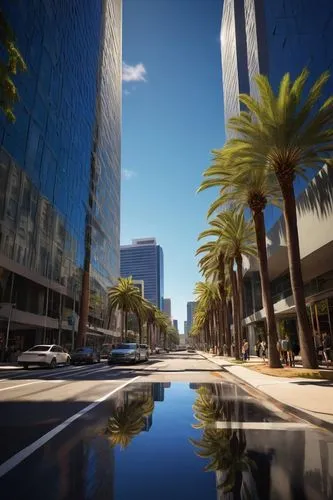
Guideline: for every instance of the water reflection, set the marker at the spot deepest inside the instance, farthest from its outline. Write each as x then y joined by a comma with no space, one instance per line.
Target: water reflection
128,420
258,464
225,449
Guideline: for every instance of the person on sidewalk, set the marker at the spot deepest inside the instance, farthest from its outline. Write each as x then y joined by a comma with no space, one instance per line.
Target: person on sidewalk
258,347
263,346
285,348
326,347
245,350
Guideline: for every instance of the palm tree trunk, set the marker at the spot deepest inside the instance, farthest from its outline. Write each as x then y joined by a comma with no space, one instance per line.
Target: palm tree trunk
239,262
140,328
235,309
126,322
273,355
304,331
227,327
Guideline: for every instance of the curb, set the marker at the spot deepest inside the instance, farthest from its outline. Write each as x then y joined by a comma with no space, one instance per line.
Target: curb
304,415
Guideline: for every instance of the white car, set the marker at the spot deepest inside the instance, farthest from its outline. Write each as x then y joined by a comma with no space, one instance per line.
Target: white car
44,355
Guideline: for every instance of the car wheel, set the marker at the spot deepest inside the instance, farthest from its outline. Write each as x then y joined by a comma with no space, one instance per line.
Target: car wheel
68,361
98,360
25,366
53,363
147,357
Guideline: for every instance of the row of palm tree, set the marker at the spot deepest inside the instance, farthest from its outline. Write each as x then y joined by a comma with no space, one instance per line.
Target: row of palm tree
126,297
277,138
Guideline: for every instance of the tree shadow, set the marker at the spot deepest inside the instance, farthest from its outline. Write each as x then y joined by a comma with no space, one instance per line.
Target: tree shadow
318,196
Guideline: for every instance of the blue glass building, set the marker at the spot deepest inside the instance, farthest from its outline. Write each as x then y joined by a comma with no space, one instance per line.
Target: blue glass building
67,118
273,37
143,260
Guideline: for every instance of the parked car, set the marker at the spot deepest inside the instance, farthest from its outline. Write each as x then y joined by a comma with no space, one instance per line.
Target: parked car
85,355
190,349
126,353
44,355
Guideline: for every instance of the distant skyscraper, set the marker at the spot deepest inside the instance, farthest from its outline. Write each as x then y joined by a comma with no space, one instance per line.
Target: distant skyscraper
167,307
143,260
190,312
175,324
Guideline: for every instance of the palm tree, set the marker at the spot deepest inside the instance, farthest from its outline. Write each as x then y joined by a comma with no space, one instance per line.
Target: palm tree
287,131
252,188
126,297
208,299
143,310
212,266
161,322
238,238
128,421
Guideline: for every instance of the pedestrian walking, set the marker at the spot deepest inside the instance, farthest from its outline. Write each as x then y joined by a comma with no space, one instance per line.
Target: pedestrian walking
263,346
326,347
285,348
245,349
257,348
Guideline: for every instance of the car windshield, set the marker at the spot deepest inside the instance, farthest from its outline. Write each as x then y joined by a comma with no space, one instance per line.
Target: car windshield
126,346
40,348
83,349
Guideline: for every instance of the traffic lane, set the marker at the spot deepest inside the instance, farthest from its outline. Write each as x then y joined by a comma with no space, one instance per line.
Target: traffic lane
81,462
28,412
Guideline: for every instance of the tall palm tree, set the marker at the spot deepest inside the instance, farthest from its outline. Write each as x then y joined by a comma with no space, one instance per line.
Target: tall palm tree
143,309
212,266
208,299
287,131
238,237
161,322
126,297
252,188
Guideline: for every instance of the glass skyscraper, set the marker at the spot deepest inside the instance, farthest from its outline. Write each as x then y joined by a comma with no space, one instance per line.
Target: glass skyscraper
272,38
67,119
143,260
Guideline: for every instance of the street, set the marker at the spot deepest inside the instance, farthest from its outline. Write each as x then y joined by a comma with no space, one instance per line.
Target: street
55,443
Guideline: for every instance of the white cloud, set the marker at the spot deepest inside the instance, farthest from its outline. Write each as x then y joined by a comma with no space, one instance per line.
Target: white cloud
135,73
127,175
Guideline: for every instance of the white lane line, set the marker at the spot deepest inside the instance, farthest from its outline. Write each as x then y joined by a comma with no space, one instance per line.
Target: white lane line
31,448
263,426
21,385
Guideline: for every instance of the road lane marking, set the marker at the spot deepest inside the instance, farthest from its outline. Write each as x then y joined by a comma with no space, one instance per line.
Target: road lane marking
16,459
20,385
263,426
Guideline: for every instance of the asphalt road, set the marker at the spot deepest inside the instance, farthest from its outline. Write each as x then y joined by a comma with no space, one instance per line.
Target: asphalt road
52,423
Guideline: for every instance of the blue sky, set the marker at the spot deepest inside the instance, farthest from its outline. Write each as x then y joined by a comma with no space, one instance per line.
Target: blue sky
172,119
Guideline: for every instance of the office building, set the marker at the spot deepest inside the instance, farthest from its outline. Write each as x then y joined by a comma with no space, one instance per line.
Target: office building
185,328
140,285
167,307
60,167
143,260
272,38
175,324
190,313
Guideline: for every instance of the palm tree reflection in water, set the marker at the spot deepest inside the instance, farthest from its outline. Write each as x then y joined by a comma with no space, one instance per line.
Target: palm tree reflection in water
128,420
225,448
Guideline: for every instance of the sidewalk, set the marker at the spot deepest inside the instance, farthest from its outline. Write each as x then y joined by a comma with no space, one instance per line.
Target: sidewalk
308,399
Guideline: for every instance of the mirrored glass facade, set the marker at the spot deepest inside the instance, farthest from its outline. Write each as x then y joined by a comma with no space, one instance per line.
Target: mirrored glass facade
69,113
145,262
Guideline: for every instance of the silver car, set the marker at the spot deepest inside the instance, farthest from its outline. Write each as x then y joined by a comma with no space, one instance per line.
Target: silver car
125,353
